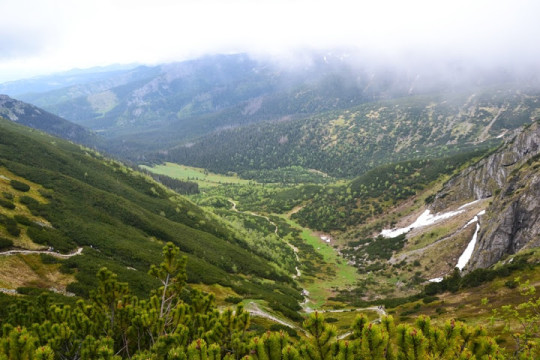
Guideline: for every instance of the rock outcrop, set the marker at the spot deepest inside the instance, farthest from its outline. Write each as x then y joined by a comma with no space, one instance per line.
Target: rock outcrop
512,221
511,177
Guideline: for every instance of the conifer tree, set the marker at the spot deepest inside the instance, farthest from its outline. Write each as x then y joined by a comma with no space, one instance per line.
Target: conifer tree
172,275
114,324
358,326
411,343
231,331
290,353
19,344
319,345
387,322
374,342
346,350
270,346
102,349
44,353
199,350
109,296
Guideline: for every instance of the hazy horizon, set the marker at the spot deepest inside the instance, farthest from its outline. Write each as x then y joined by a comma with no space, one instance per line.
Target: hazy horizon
40,38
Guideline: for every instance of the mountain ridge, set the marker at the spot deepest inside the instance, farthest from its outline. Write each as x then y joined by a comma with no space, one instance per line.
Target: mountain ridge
510,179
175,103
347,143
32,116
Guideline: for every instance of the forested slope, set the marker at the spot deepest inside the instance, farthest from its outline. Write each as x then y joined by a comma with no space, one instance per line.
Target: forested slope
348,143
121,218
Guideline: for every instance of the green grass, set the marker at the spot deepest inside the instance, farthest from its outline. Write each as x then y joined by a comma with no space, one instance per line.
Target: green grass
346,319
335,274
204,178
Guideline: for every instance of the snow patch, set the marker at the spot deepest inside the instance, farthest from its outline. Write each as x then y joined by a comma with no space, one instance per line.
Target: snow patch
472,221
466,256
423,220
326,238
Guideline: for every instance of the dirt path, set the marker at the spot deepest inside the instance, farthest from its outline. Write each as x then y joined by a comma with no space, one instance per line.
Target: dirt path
48,252
485,133
295,210
254,310
378,309
8,291
254,214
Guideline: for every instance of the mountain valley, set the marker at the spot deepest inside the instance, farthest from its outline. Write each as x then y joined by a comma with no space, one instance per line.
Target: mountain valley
324,190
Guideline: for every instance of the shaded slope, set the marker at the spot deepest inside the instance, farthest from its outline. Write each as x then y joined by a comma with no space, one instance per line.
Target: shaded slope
40,119
152,108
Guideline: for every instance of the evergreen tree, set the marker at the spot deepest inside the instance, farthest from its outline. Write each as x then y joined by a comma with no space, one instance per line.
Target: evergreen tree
114,325
319,345
374,342
172,275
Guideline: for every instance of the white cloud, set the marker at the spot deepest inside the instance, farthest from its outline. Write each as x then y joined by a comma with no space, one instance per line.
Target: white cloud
62,34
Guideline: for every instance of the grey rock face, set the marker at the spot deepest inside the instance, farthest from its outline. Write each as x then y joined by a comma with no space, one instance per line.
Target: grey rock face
512,223
511,177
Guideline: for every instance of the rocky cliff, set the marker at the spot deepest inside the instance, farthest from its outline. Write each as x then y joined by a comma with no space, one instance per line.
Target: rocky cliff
511,177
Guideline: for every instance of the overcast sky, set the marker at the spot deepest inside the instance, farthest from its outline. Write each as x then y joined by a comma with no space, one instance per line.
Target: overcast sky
43,36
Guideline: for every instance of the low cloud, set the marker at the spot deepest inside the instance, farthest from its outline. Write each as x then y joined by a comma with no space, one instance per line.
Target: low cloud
62,34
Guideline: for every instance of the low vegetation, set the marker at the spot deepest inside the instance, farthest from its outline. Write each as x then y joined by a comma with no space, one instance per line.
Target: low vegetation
79,198
181,323
372,194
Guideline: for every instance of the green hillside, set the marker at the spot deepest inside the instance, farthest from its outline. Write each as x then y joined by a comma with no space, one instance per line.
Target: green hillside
121,219
147,109
310,195
347,143
373,193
